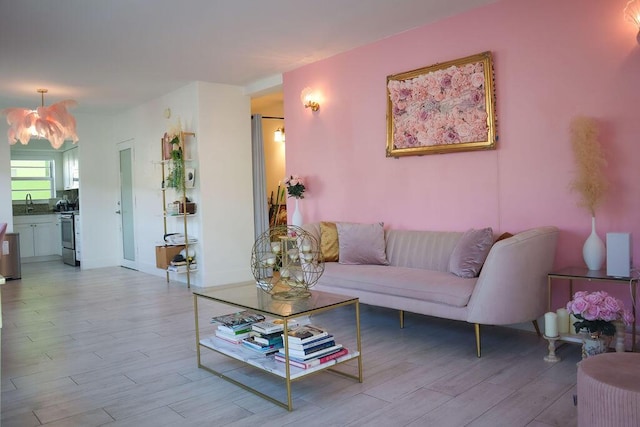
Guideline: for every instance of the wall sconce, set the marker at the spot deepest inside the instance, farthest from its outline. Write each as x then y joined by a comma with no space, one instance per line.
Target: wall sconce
278,135
309,99
632,14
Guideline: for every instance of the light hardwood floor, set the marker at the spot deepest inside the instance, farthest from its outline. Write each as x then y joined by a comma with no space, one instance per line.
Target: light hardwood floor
117,347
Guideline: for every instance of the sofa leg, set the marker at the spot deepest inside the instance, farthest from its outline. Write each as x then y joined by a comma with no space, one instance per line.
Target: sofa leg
477,327
401,319
537,327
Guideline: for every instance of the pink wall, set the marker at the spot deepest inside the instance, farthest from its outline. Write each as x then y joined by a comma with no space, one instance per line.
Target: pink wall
553,60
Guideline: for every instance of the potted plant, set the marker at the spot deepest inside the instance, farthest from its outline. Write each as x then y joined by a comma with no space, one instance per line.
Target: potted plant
596,313
175,178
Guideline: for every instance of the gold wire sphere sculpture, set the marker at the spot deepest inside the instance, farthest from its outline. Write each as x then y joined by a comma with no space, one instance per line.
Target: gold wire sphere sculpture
286,261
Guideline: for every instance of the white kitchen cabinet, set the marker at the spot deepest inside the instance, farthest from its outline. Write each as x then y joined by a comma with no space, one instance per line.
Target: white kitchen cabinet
70,176
39,235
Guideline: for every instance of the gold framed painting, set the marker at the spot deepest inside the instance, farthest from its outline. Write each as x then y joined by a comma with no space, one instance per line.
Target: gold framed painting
443,108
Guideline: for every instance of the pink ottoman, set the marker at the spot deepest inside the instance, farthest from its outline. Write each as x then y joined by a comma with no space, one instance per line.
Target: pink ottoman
609,390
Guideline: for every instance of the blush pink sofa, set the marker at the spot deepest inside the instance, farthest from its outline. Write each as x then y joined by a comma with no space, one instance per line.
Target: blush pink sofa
511,287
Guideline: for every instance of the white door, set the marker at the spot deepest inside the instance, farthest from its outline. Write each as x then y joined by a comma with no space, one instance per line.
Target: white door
126,205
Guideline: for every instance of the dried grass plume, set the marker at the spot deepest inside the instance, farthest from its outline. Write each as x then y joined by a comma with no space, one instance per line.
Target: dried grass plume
590,180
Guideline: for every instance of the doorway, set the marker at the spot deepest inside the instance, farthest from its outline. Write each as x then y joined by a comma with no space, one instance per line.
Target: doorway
126,206
271,108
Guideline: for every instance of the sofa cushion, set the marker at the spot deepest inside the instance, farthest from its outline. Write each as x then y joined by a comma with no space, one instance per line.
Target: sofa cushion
361,243
329,241
470,252
427,285
429,250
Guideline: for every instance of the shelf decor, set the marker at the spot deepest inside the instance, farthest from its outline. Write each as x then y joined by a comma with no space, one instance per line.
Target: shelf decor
590,182
180,179
286,261
446,107
596,313
295,188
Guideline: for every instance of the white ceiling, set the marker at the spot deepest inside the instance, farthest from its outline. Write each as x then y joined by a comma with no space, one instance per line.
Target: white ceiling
114,54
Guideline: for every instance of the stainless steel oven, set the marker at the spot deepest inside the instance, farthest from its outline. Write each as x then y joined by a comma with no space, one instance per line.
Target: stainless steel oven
68,238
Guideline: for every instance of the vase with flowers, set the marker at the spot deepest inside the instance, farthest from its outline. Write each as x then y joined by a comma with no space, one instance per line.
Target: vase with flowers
295,188
590,182
596,313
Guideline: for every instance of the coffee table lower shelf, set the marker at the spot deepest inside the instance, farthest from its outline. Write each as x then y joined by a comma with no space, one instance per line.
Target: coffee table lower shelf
270,365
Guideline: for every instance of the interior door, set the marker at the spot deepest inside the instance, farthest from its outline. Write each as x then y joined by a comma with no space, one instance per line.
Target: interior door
126,205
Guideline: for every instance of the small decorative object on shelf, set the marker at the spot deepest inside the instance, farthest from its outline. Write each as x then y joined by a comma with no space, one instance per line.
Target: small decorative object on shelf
593,344
590,182
295,188
286,261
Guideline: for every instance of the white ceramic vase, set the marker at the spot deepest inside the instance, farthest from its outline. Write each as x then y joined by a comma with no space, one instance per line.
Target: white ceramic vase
296,218
593,250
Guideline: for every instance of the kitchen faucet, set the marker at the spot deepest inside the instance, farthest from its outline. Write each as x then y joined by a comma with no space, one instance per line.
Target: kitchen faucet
28,203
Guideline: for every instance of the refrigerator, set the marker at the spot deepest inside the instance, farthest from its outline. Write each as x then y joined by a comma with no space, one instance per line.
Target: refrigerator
10,266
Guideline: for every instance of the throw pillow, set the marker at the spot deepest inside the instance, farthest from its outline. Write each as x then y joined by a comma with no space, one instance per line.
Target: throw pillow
503,236
329,241
361,243
470,252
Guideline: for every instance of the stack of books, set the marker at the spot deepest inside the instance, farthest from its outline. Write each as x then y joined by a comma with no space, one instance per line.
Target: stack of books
310,346
236,326
182,266
265,337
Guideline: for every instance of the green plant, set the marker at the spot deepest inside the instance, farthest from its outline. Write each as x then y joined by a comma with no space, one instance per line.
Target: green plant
175,178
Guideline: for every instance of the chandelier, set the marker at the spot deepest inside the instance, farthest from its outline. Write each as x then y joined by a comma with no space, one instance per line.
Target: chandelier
53,123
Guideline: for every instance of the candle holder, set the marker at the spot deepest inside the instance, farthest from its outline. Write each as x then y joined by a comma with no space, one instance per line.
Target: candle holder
286,261
551,357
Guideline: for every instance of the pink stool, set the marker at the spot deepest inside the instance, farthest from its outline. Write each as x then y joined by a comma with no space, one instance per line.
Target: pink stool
609,390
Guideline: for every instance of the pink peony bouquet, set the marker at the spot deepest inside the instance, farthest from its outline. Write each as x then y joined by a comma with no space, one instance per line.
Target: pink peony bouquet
596,312
295,186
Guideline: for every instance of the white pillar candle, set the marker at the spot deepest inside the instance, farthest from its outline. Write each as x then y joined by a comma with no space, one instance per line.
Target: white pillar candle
551,324
572,320
563,320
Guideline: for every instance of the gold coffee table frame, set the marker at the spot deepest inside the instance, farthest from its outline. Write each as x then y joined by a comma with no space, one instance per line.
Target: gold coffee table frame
247,296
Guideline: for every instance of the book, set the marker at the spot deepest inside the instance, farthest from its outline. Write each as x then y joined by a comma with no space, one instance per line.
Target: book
276,325
234,339
314,349
306,333
268,339
240,333
313,362
250,343
307,345
319,353
266,327
238,320
237,331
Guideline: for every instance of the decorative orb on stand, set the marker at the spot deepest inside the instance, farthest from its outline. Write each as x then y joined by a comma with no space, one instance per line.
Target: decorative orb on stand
286,261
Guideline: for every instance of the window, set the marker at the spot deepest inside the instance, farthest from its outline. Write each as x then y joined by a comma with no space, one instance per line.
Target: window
34,177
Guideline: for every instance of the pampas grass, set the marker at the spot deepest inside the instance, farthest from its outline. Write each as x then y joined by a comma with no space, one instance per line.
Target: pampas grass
590,181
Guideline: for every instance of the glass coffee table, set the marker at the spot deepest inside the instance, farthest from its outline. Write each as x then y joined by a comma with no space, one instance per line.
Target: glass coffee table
247,296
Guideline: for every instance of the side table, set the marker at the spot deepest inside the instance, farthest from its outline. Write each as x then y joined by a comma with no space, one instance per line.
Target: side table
582,273
609,390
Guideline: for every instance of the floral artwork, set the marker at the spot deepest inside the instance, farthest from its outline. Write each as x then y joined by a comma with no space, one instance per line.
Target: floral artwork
442,108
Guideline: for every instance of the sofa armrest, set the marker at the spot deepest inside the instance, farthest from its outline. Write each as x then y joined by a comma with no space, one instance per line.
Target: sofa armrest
512,286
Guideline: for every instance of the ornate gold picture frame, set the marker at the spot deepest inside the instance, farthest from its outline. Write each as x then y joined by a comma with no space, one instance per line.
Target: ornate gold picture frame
442,108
